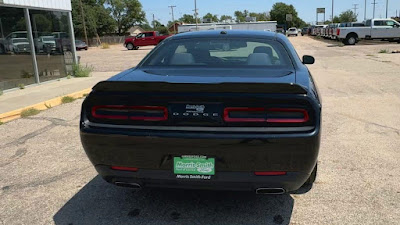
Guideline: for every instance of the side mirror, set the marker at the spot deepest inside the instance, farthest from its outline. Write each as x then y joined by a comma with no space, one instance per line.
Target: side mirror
308,59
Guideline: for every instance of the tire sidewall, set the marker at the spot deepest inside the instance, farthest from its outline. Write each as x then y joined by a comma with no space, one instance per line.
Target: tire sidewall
351,40
130,46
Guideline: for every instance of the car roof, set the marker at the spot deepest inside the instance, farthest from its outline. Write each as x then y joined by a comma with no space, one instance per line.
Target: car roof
227,33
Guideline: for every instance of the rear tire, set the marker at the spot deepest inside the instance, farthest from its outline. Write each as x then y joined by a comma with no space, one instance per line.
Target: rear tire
130,46
351,39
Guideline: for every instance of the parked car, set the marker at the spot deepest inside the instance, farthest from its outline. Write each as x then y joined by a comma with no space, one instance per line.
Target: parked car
388,29
191,117
144,39
292,31
304,31
45,44
6,42
80,45
19,45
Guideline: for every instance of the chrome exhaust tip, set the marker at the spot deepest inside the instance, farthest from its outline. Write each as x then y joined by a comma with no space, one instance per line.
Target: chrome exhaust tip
270,191
127,185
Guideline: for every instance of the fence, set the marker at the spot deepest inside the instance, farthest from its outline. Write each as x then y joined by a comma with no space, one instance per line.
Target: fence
107,39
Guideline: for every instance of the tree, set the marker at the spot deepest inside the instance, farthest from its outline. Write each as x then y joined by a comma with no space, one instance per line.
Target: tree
211,17
241,16
127,13
347,16
225,18
186,18
97,17
279,11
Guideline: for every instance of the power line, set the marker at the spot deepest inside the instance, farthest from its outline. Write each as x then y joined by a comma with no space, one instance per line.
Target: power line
173,19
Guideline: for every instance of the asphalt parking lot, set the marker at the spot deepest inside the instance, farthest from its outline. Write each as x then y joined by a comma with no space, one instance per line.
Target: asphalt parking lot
46,178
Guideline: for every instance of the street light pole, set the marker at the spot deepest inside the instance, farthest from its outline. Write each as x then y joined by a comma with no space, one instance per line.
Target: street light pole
195,14
365,10
373,13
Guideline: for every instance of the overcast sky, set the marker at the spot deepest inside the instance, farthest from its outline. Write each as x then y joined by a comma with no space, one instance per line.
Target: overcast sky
305,8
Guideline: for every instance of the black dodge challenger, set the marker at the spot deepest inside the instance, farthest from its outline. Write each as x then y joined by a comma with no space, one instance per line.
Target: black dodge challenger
231,110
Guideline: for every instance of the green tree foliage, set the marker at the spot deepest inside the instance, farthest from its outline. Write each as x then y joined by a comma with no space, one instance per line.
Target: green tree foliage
241,16
127,13
213,18
347,16
187,18
97,18
225,18
260,16
279,11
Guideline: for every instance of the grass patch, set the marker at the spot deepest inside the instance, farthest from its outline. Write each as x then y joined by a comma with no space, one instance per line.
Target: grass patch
67,99
1,92
48,106
104,46
1,123
383,51
21,86
81,71
29,112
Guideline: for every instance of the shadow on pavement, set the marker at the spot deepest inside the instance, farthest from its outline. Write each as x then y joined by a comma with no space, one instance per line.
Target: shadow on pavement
102,203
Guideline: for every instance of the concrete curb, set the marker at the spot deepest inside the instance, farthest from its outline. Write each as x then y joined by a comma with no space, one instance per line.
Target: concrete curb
15,114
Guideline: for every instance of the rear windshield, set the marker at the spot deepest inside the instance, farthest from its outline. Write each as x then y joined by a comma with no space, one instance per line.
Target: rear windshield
219,52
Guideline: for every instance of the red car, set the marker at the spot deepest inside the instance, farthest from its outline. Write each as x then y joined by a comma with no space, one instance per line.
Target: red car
144,39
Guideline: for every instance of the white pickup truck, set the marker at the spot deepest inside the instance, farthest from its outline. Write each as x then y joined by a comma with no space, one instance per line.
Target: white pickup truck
387,29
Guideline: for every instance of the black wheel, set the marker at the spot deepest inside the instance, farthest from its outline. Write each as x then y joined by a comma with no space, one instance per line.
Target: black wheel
312,177
2,49
130,46
136,48
351,39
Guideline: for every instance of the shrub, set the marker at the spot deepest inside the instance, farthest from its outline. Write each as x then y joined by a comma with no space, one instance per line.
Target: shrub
81,71
1,123
67,99
21,86
383,51
29,112
1,92
105,46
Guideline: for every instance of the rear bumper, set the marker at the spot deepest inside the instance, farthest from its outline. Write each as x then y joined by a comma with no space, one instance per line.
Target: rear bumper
237,181
237,157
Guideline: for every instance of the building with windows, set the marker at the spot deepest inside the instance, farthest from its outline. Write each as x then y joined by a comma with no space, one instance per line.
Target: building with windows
37,41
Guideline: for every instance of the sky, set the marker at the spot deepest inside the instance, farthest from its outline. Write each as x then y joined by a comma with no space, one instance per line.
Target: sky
305,8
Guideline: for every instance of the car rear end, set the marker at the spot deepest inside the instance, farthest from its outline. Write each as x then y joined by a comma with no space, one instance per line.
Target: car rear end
203,128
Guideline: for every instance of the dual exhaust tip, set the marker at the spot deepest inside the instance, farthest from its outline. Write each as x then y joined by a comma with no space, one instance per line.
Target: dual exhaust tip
262,191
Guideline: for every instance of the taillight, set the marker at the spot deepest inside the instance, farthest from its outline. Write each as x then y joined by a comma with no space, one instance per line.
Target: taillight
338,32
269,173
244,114
269,115
287,115
142,113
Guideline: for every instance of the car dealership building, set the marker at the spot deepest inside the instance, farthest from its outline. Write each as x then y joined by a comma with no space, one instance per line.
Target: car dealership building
37,42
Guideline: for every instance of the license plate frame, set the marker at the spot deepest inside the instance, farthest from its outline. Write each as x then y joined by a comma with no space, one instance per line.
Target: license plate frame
194,165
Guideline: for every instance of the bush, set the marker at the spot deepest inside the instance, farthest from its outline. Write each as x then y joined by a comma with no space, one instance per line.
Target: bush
105,46
1,123
21,86
1,92
383,51
67,99
81,71
29,112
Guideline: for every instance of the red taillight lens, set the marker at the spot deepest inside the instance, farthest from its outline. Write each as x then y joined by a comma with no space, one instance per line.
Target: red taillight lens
142,113
244,114
270,173
285,115
272,115
338,32
123,168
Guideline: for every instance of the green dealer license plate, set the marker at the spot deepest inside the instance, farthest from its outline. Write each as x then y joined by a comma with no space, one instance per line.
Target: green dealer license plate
194,165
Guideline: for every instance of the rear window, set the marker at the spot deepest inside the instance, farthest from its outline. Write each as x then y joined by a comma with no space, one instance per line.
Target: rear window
219,52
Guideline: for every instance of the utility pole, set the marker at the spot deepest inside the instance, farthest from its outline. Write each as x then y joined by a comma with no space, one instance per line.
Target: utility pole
173,19
365,10
154,24
195,14
387,4
83,22
355,9
332,10
373,14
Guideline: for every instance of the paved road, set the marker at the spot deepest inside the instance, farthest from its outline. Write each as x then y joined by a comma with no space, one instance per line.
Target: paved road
45,176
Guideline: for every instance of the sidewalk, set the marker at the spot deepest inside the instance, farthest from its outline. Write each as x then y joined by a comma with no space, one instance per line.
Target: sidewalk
17,99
